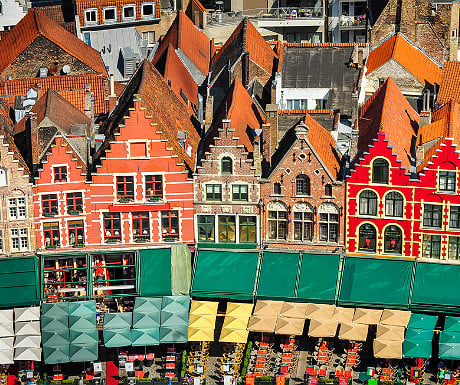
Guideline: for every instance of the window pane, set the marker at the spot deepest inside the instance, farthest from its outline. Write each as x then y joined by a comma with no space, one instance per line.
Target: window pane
367,238
380,171
206,228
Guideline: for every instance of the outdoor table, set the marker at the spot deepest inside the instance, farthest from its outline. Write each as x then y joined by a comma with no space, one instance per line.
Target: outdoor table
386,370
339,373
262,352
384,378
261,359
264,344
260,366
348,373
139,374
170,358
288,346
170,366
287,354
169,374
323,372
286,360
131,358
150,356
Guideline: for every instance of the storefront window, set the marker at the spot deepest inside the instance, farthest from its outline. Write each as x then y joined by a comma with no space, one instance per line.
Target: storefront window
227,228
247,229
205,228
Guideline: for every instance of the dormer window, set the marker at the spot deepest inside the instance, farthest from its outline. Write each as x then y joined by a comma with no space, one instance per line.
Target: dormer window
129,12
90,16
380,171
227,165
110,15
148,10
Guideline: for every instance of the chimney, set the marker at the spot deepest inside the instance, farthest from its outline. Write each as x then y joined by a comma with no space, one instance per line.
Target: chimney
208,113
112,96
419,155
88,101
354,104
354,141
256,155
32,135
245,69
270,135
273,93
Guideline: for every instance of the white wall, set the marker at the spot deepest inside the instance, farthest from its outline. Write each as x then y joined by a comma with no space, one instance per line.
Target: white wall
12,13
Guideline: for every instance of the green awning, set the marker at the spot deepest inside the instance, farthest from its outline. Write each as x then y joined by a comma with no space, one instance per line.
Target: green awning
278,275
417,343
19,285
117,338
225,274
145,337
452,324
422,321
318,278
375,282
54,324
118,320
155,272
55,339
84,337
436,286
82,322
56,309
449,345
83,353
56,355
176,335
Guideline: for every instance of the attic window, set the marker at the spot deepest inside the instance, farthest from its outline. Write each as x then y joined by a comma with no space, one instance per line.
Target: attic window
129,12
183,96
90,16
182,138
110,15
148,10
138,150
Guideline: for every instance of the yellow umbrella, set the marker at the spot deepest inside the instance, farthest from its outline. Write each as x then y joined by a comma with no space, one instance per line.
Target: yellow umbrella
239,310
353,332
390,333
200,334
325,328
387,349
267,308
235,323
202,321
289,326
395,317
236,336
319,311
204,307
262,324
294,310
343,314
367,316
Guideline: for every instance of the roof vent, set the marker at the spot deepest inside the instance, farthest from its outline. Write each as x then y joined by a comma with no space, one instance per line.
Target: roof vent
43,72
66,69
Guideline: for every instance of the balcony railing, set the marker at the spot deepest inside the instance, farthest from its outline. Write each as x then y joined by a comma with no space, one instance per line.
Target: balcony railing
352,21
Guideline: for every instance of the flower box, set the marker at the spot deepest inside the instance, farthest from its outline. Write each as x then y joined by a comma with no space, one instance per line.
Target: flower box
141,240
74,212
48,215
125,200
154,199
77,245
112,240
170,238
51,247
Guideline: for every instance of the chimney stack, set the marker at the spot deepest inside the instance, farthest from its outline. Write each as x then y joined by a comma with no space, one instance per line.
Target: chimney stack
208,113
270,132
88,101
33,142
257,157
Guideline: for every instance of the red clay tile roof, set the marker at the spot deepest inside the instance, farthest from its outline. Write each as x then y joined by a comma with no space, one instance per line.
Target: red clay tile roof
35,23
184,35
243,113
324,144
54,12
71,87
450,83
410,57
389,111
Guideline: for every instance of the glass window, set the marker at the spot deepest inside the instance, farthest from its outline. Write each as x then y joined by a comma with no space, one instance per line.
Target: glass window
52,236
328,190
302,185
368,203
329,227
91,16
149,37
129,12
125,188
110,14
213,192
170,225
17,208
76,233
50,204
206,228
60,174
74,203
380,171
3,177
112,227
394,204
240,192
432,216
277,224
1,241
148,10
247,229
431,246
113,274
19,240
454,248
153,187
141,226
367,238
447,181
277,188
454,217
227,165
393,240
227,228
303,226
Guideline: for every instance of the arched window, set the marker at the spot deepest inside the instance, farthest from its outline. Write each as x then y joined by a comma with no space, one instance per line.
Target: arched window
328,190
380,171
227,165
303,222
302,185
328,222
3,177
367,238
368,203
393,240
277,220
394,203
277,188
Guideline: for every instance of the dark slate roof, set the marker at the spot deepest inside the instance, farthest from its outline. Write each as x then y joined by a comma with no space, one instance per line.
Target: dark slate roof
322,67
286,121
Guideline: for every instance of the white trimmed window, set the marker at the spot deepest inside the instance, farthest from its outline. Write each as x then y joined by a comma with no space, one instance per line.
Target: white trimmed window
129,12
148,10
19,240
110,14
149,37
91,16
17,208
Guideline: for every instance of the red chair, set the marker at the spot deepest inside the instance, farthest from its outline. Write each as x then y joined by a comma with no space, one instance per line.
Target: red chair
310,370
139,374
261,358
348,373
150,356
339,373
386,370
284,369
322,372
170,366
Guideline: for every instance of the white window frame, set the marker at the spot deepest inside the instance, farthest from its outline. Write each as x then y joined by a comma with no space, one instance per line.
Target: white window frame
149,33
123,12
90,22
114,20
152,16
20,234
17,208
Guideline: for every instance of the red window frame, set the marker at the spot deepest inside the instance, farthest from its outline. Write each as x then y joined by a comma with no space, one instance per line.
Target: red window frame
74,202
139,219
60,173
154,184
76,227
123,186
109,219
167,227
51,231
51,201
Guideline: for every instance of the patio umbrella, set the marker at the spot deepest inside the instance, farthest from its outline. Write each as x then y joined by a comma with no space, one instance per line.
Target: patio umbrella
28,328
85,322
235,323
204,307
80,337
146,320
55,309
27,341
325,328
52,323
56,339
395,317
147,305
417,348
22,314
267,308
264,324
293,310
353,331
289,326
28,354
319,311
6,357
118,320
239,310
448,351
202,321
235,336
176,335
117,338
56,355
367,316
200,334
145,337
452,324
422,321
387,349
83,353
390,333
6,343
6,316
176,304
169,319
83,308
6,330
343,314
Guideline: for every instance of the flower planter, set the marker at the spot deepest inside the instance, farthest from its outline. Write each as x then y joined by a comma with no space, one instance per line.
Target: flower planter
154,199
170,239
112,241
73,212
50,247
49,215
77,245
125,200
141,240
